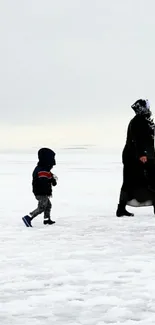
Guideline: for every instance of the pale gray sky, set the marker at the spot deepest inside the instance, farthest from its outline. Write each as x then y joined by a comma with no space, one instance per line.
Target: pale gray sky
66,64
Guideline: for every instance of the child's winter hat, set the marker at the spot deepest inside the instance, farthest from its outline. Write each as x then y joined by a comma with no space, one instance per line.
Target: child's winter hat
46,157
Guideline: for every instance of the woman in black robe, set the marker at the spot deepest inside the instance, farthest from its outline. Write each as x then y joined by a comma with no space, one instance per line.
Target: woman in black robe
138,160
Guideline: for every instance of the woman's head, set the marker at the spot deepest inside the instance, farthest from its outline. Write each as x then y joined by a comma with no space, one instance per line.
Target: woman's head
142,107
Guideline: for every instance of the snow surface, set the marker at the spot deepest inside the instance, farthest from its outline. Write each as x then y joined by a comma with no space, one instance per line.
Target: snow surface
90,268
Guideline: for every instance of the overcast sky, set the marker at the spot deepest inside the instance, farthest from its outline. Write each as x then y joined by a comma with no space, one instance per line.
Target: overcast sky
70,67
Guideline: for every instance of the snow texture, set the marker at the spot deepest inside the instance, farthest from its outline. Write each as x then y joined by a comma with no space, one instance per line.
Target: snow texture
90,268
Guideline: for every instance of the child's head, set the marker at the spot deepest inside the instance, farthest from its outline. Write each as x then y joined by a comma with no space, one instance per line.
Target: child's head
46,157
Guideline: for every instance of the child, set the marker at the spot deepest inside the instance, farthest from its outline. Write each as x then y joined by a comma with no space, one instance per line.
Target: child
42,183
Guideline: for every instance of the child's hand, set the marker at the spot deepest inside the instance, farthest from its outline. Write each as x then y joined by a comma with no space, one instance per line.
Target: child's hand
54,180
55,177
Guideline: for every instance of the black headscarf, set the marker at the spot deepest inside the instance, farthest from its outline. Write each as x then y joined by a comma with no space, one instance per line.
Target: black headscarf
142,107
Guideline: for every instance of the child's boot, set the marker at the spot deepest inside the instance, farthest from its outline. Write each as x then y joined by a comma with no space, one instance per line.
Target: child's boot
48,221
27,220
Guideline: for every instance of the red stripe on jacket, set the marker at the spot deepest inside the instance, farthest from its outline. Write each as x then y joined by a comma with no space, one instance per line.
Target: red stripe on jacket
45,174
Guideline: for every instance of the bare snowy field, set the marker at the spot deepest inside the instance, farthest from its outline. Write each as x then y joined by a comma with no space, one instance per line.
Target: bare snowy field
90,268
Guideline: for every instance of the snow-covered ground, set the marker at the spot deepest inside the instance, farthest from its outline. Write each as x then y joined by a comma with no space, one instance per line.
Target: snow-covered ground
90,268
